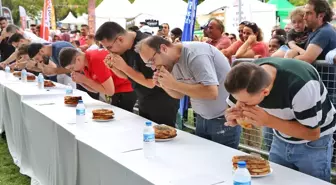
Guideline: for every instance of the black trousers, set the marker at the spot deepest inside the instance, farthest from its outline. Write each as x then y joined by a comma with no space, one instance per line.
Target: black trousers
125,100
91,94
161,110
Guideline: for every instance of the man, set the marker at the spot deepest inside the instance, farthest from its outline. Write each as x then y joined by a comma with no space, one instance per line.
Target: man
98,78
154,103
322,39
82,38
273,92
33,29
5,49
41,53
215,31
288,27
233,48
28,38
91,43
198,71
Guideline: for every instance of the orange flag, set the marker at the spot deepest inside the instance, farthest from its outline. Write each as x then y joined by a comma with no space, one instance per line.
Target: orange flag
45,24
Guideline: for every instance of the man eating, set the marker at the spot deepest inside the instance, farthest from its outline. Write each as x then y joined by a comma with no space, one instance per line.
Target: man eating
289,96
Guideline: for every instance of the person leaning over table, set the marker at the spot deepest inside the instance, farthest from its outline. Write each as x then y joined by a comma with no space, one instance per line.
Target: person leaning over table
273,92
197,70
154,103
97,77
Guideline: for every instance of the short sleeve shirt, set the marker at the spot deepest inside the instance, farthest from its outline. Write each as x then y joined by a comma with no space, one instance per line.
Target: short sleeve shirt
56,49
261,49
222,43
325,38
97,71
300,38
201,63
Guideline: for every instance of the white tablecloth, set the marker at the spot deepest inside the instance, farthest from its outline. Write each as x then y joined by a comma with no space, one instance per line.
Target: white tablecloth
49,147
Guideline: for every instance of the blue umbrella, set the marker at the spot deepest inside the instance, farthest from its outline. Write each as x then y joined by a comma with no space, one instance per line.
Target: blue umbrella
188,35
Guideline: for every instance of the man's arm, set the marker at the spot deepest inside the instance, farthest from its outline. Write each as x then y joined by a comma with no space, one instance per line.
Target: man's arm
139,77
87,88
173,94
119,73
311,54
106,87
11,58
294,129
295,47
197,91
51,71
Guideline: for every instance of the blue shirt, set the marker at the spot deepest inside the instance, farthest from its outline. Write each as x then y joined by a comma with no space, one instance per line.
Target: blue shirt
56,49
325,38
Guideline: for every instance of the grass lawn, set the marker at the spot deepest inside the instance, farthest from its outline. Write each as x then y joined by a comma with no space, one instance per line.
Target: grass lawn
9,172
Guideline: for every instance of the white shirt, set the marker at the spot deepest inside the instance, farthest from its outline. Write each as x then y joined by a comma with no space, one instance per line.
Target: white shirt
33,38
93,47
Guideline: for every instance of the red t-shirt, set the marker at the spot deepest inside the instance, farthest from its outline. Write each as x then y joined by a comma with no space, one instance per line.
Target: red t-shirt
261,49
97,71
82,40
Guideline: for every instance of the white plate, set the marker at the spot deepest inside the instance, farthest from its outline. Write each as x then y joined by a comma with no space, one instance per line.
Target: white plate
164,140
258,176
31,80
102,120
265,175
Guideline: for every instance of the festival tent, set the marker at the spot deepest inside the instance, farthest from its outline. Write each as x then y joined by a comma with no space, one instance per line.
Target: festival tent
173,12
283,9
83,19
114,10
70,19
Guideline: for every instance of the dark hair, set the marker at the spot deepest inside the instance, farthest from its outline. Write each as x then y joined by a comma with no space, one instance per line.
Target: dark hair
133,28
109,31
281,39
22,50
33,49
67,55
177,32
153,42
247,75
11,28
84,26
226,33
76,42
32,25
244,23
233,35
16,37
254,27
2,18
322,6
280,32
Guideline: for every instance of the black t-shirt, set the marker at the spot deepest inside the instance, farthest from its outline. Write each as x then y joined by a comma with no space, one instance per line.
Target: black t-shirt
6,49
300,38
134,60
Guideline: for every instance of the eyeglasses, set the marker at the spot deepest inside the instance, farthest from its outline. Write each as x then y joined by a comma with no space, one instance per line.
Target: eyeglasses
150,61
111,46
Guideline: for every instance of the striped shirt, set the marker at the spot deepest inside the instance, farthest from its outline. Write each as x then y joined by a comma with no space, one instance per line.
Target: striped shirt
298,94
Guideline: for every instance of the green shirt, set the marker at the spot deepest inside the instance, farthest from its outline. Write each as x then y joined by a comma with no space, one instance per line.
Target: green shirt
299,94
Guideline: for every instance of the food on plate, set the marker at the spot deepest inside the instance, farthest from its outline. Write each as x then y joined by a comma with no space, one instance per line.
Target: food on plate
244,122
72,100
31,77
255,165
103,114
17,73
48,83
164,132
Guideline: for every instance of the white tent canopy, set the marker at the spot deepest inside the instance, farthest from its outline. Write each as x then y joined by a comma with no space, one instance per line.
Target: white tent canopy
209,6
70,19
115,9
82,19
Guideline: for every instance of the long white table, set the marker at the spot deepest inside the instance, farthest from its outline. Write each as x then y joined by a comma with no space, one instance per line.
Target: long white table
49,147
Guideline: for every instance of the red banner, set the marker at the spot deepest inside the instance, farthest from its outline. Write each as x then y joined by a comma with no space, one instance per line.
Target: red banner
45,24
92,16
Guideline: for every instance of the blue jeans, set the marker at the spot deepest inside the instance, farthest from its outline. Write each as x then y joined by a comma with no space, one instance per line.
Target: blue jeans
312,158
215,130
